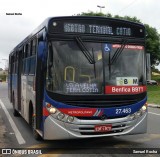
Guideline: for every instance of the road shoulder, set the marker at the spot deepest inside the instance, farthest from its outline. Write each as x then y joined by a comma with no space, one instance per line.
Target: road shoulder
3,135
154,105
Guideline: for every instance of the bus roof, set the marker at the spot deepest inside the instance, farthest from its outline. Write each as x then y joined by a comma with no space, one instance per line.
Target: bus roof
45,24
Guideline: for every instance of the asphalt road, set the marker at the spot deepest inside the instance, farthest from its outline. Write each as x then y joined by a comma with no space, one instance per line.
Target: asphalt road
83,147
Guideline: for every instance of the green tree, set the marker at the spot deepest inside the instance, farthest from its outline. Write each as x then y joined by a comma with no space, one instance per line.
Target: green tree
152,39
133,19
95,14
153,44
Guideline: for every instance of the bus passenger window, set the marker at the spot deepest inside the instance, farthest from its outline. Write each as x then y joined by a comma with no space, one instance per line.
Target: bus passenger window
15,64
26,50
34,44
32,65
26,64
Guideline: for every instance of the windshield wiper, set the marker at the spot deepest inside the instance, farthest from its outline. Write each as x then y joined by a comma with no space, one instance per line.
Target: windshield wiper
118,52
85,51
94,64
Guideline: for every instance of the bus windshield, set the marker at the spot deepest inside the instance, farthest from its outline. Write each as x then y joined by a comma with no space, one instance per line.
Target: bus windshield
127,68
70,72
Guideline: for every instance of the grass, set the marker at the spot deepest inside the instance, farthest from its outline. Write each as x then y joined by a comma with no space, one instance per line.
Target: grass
153,93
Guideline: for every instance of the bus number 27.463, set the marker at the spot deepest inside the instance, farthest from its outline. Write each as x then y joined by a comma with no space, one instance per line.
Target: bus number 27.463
122,111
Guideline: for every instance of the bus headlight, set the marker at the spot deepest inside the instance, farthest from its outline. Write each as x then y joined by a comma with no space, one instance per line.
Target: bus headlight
144,108
57,114
138,113
60,116
132,116
52,110
70,119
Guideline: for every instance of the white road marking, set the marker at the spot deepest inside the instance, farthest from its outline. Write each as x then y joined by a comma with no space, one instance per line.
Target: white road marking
154,113
17,133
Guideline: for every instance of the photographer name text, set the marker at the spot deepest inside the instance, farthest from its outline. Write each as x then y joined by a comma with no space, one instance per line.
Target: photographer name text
13,13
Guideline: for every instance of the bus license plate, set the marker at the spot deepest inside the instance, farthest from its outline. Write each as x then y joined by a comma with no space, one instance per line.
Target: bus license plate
103,128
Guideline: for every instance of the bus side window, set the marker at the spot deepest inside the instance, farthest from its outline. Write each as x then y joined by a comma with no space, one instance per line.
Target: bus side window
23,60
16,62
26,60
28,50
34,46
32,65
33,56
13,61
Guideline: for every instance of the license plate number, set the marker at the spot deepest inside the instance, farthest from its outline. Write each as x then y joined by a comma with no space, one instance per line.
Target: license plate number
103,128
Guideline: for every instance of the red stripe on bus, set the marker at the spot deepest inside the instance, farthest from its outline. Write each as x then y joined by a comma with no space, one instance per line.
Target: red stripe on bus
45,112
79,112
133,47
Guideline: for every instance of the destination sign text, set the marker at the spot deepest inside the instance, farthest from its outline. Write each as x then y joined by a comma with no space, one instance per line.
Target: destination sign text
96,29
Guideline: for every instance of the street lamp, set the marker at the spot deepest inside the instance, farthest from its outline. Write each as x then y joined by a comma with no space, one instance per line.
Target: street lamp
101,7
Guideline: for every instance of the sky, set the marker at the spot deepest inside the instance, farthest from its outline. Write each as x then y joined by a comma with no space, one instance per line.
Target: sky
14,28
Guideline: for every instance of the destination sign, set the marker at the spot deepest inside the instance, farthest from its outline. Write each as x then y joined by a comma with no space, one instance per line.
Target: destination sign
96,29
96,26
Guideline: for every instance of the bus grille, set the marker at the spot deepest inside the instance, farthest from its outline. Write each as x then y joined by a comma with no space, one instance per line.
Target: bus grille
89,129
101,104
100,133
99,118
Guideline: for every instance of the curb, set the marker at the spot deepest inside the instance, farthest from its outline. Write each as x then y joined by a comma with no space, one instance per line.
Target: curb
153,105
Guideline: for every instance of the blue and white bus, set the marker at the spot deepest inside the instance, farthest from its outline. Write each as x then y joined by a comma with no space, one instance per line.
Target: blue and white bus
81,77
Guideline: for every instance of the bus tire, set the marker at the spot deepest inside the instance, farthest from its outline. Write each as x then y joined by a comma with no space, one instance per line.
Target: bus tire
36,136
34,132
15,112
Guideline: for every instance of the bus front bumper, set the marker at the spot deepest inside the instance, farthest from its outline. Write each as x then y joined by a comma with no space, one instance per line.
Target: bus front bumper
57,130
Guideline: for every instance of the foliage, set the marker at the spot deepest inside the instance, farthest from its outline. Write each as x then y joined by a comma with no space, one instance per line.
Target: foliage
95,14
133,19
153,44
153,69
156,78
152,39
3,77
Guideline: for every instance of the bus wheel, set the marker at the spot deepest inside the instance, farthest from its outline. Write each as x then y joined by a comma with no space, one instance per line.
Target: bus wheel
15,112
35,133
